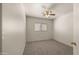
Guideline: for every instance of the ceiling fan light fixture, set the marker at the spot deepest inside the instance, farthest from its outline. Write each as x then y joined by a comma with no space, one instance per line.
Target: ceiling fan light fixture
48,12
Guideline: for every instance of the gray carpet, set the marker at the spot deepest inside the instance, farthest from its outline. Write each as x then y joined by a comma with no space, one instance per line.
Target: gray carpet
48,47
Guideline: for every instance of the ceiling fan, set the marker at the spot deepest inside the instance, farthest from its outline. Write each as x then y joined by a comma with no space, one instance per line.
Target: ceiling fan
48,12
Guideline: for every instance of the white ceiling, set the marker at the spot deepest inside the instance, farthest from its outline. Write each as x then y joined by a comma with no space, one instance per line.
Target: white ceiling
36,9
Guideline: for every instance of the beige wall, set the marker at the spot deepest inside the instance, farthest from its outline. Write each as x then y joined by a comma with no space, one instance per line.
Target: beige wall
36,36
63,28
13,26
0,28
76,28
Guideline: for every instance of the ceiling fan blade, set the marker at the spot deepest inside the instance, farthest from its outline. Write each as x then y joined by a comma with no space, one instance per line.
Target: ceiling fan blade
53,14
